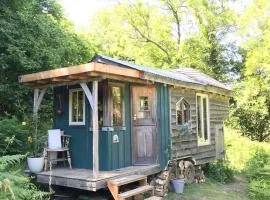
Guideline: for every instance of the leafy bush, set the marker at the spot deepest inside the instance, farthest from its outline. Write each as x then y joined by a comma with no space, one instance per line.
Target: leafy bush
16,138
259,187
251,111
219,171
13,185
257,162
13,136
240,150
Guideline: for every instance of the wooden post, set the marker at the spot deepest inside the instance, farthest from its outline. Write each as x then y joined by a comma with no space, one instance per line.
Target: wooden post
95,129
38,96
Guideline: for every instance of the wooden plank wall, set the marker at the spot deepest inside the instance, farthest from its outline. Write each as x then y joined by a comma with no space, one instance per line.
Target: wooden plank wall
183,145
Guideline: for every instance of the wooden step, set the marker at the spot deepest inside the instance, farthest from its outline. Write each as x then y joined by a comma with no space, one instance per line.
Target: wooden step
153,198
127,180
139,190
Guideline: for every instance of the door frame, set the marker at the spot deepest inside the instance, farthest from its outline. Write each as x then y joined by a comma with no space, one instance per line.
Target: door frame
156,144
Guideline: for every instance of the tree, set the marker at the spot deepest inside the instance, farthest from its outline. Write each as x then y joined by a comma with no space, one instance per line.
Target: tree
168,34
252,108
34,36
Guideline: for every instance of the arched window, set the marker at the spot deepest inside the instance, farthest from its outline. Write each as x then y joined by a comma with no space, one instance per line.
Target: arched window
182,112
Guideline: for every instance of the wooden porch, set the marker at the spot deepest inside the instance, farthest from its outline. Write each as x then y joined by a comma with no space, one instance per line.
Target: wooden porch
83,178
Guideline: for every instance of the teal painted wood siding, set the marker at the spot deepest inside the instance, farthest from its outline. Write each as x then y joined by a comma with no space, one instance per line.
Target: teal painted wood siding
163,110
111,155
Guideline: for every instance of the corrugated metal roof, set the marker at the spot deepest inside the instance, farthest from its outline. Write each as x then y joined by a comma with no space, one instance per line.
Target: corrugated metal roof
201,77
168,74
188,75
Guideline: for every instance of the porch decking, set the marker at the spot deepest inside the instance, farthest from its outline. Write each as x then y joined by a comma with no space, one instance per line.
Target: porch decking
83,178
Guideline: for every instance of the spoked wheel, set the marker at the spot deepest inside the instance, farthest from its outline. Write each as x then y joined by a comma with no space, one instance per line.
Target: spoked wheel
189,172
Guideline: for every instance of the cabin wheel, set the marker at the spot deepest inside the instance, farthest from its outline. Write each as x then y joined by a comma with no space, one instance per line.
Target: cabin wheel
189,172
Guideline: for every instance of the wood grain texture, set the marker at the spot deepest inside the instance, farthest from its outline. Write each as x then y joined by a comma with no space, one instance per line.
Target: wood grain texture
187,145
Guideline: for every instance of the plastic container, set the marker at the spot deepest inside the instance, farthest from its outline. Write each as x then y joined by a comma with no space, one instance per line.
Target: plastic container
178,185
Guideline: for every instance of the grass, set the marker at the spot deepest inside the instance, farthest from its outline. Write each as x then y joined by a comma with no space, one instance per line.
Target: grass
211,190
241,154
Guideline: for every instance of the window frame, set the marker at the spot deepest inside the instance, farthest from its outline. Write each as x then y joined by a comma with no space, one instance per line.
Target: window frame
208,141
182,100
110,99
72,123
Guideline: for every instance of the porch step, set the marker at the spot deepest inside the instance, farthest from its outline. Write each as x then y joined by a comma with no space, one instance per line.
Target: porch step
139,190
142,187
127,180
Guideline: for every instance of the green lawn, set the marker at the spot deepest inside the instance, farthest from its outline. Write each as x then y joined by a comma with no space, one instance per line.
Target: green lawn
213,191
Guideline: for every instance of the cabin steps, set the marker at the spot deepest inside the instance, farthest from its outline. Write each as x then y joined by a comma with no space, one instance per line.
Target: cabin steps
141,187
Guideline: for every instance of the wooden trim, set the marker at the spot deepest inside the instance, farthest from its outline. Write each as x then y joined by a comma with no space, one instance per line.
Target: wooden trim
77,70
88,94
95,130
208,142
38,96
71,123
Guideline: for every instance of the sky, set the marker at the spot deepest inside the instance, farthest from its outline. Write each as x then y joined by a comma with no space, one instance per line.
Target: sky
80,12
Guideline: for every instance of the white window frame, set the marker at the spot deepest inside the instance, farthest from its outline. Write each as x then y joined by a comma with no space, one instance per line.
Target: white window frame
207,142
71,91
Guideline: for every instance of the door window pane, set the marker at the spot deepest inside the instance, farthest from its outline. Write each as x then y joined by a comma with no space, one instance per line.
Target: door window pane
144,103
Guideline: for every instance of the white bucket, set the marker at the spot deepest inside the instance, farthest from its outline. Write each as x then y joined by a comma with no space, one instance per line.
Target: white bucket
178,185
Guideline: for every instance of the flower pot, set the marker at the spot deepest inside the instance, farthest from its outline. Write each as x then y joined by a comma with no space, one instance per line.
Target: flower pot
35,164
178,185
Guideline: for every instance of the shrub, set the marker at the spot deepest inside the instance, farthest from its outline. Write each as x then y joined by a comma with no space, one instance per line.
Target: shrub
219,171
15,138
240,150
13,185
257,162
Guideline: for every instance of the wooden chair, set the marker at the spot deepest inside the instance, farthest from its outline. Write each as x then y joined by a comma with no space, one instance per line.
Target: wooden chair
64,150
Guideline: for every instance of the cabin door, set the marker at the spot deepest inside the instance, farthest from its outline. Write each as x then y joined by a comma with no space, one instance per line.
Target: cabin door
144,125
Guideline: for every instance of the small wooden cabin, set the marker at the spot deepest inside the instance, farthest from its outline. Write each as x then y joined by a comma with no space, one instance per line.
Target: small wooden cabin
126,116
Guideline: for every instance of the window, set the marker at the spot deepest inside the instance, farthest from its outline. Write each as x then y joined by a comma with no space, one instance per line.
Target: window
76,107
144,103
117,105
203,119
182,112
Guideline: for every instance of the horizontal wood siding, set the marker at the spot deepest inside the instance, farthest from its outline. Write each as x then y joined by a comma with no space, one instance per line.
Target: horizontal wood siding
183,145
111,155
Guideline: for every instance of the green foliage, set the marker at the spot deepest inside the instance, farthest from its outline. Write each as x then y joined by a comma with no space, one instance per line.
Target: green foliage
251,112
240,150
257,162
252,159
34,36
219,171
13,185
159,34
13,136
17,138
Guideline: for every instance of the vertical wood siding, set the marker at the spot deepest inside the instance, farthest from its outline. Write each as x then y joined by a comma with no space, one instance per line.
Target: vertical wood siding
111,155
163,130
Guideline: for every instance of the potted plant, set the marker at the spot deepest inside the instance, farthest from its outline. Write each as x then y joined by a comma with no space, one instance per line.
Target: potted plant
36,159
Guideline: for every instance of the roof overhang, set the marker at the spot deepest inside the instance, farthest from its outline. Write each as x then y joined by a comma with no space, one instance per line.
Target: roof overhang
78,74
98,71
